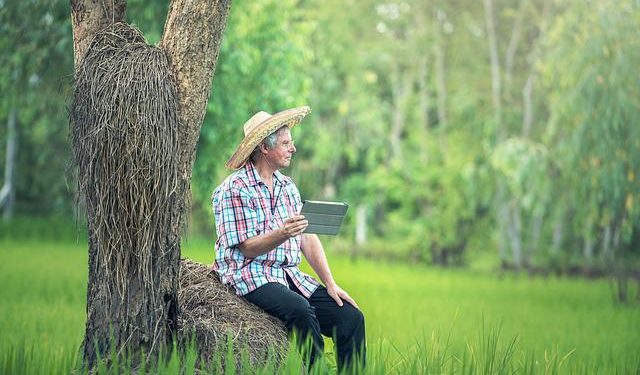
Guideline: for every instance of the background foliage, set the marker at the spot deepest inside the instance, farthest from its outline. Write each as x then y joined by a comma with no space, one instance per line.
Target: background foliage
474,134
455,130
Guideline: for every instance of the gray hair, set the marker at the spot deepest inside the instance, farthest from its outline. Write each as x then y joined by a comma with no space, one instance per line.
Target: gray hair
269,141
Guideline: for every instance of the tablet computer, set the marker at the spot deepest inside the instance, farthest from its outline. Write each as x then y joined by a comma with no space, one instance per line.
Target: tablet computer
324,217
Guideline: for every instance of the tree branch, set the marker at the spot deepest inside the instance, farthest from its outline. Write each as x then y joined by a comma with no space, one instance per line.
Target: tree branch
512,47
90,16
191,39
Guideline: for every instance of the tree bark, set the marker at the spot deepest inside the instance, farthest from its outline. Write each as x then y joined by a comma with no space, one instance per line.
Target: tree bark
145,318
192,38
90,16
87,18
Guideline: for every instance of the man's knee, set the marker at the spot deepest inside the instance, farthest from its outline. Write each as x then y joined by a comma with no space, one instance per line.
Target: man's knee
302,320
352,323
301,312
358,317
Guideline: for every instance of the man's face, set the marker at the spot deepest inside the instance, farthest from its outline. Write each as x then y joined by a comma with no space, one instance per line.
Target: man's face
280,155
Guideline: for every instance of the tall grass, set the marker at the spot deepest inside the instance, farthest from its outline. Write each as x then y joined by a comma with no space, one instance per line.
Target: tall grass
419,320
484,356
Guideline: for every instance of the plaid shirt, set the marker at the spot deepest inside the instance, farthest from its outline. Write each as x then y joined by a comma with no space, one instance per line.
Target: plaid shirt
244,208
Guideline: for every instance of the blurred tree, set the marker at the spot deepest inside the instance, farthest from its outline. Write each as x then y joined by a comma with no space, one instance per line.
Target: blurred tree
7,193
374,139
34,69
593,51
449,126
511,125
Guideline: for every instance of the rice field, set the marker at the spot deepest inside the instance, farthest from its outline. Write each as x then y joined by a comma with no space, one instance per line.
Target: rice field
419,319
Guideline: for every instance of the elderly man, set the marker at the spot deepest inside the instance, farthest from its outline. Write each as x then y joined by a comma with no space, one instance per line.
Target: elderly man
261,237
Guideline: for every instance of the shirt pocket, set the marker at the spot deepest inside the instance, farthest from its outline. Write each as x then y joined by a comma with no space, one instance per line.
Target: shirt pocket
262,219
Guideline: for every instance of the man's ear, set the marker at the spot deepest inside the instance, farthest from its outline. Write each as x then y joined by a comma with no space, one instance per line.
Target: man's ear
263,148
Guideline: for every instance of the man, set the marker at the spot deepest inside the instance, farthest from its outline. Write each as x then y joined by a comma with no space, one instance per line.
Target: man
260,238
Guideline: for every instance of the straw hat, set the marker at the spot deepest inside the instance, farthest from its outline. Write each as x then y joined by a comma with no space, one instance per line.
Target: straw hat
259,127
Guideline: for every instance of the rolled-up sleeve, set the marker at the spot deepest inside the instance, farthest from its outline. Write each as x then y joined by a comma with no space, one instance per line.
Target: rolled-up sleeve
237,217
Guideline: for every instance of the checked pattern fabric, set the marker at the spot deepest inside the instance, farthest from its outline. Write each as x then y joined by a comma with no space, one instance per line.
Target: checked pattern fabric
243,208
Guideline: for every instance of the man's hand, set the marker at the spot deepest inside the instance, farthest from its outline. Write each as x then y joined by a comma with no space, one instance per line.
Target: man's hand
338,295
263,243
294,226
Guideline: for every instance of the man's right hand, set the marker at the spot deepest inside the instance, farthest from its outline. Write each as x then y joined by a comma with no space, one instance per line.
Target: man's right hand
263,243
294,226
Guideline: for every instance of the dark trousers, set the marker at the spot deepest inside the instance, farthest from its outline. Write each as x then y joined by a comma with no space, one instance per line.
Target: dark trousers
313,317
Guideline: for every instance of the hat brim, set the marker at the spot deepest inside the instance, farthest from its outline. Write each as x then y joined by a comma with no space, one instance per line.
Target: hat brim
290,117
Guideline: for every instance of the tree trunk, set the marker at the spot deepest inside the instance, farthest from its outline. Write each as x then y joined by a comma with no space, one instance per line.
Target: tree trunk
527,100
90,16
145,317
527,90
619,267
502,213
515,233
423,86
401,81
496,87
534,241
424,103
512,48
606,252
441,83
622,286
502,209
8,191
361,224
425,97
558,234
587,251
361,230
192,38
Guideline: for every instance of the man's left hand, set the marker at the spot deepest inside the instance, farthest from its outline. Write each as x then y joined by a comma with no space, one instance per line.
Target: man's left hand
338,295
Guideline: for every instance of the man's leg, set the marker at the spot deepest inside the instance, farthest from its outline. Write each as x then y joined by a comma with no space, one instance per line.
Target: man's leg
344,324
294,310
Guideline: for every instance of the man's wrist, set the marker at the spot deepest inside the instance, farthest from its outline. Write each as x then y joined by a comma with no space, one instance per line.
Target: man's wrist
282,234
330,284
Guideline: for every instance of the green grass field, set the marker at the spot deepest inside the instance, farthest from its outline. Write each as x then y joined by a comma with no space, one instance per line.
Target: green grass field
419,319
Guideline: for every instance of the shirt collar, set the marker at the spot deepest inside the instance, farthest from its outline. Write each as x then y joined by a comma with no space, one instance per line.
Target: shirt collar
254,179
